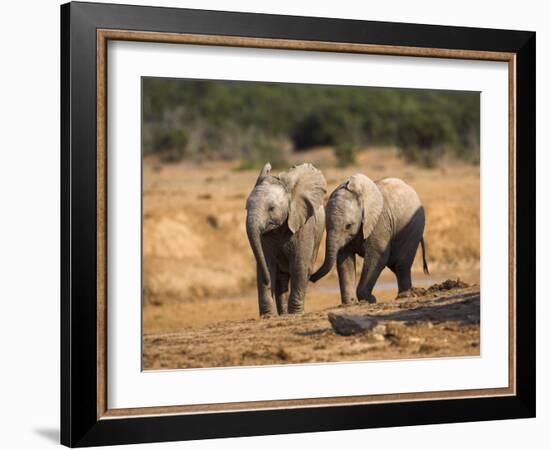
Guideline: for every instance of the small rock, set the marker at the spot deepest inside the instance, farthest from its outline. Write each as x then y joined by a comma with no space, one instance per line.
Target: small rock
427,348
213,221
347,325
283,354
379,332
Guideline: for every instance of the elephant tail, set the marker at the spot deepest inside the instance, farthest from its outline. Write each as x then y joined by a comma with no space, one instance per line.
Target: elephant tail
424,262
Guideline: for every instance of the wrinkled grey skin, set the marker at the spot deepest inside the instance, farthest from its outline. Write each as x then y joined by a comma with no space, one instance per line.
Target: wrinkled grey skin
381,221
285,223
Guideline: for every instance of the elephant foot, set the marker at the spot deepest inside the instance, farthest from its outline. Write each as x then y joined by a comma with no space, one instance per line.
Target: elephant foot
295,306
403,295
268,309
268,316
369,299
295,309
348,302
268,312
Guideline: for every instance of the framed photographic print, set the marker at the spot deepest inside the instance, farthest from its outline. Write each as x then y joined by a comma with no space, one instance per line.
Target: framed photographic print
276,224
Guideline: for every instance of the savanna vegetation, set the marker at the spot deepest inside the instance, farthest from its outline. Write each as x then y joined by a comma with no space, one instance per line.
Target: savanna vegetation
201,120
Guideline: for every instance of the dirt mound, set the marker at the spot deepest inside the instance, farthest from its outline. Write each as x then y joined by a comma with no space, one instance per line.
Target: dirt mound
433,289
448,285
445,322
171,237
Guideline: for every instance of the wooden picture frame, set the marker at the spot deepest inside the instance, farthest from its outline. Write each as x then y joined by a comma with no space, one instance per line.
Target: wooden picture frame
85,417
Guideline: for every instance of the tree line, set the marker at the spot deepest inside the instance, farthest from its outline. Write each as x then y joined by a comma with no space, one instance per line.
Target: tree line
255,121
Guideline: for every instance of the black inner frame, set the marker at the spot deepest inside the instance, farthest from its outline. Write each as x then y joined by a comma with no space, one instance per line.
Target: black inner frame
79,424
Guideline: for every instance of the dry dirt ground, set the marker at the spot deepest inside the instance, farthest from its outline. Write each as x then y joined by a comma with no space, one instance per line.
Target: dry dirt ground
199,272
442,321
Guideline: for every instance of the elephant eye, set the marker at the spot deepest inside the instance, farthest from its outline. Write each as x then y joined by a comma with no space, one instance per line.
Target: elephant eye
271,208
348,226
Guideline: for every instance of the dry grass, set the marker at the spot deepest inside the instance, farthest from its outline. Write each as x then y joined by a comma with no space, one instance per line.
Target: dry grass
198,267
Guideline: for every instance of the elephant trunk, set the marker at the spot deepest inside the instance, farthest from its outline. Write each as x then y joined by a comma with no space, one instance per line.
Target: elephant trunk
330,260
254,237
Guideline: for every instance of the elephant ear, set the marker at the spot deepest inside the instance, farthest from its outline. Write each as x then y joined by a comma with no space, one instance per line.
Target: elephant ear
263,173
307,188
371,200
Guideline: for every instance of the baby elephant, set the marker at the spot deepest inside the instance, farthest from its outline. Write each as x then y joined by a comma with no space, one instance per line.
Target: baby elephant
381,221
285,223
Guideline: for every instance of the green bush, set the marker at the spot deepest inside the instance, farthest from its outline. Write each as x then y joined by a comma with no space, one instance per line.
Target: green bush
425,133
224,119
345,154
171,144
261,150
310,132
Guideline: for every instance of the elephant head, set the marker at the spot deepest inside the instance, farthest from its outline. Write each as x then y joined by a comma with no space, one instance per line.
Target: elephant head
354,207
291,198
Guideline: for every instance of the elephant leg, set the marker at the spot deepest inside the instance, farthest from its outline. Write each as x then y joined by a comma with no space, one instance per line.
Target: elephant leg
403,267
281,292
403,274
373,264
265,299
299,277
346,276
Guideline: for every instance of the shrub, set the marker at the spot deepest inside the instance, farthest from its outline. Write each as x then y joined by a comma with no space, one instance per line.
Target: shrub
345,154
313,130
262,149
171,144
217,117
425,134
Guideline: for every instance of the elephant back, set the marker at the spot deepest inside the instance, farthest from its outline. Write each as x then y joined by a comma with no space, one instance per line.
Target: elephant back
400,199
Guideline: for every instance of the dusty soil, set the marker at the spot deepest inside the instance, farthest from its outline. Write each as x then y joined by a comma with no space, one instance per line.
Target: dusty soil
442,320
